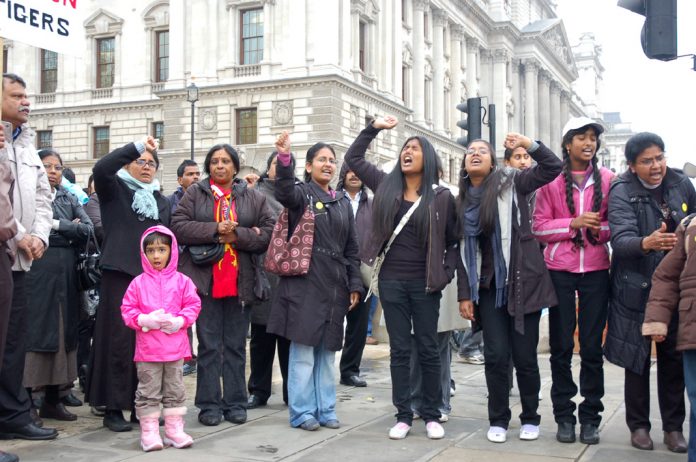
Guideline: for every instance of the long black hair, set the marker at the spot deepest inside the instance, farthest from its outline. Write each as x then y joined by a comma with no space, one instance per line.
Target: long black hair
492,185
389,194
311,154
578,240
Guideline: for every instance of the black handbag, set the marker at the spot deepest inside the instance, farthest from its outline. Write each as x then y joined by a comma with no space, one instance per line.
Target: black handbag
262,286
206,254
87,267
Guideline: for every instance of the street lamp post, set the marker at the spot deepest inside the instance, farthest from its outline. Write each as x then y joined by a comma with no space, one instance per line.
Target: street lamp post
192,97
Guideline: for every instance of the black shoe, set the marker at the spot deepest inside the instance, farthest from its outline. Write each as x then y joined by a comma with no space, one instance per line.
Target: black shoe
236,417
114,421
82,377
254,401
353,381
7,457
56,412
189,368
566,432
71,400
99,411
29,432
589,434
34,414
210,418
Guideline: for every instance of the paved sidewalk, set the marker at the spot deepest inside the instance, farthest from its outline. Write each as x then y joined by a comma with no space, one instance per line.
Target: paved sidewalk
366,415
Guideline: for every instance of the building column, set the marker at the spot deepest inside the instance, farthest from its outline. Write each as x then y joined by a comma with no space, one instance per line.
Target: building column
544,106
565,109
472,51
498,96
555,140
531,69
516,92
457,35
418,86
439,21
355,22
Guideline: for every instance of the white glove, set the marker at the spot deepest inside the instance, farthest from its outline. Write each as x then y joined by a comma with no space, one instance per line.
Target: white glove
150,320
173,325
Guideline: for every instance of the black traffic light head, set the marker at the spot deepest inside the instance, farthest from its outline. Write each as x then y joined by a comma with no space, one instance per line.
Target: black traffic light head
472,124
659,34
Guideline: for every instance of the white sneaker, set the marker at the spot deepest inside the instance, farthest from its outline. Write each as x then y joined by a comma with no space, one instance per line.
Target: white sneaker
452,392
434,430
399,431
497,435
443,418
529,432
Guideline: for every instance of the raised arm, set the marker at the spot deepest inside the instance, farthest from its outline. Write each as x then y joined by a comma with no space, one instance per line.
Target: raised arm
106,168
368,172
548,165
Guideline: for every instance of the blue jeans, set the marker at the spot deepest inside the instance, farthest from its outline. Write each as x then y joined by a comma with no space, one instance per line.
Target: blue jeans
373,307
690,380
311,384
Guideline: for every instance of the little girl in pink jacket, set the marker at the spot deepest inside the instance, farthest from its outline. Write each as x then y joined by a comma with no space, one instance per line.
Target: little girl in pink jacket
160,304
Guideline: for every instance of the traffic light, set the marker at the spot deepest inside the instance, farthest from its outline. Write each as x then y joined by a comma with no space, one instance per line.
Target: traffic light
472,124
659,34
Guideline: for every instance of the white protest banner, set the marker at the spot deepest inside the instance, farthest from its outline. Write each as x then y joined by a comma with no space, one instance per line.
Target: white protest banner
54,25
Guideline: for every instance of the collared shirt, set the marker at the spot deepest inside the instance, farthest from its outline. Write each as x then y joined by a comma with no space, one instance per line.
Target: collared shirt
355,203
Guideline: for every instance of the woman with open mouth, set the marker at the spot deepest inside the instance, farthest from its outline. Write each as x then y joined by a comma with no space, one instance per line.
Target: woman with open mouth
504,284
414,222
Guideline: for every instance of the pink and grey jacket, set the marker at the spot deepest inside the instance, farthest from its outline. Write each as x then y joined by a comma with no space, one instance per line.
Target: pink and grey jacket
167,289
551,225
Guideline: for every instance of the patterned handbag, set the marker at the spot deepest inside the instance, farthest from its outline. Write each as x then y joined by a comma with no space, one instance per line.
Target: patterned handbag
290,254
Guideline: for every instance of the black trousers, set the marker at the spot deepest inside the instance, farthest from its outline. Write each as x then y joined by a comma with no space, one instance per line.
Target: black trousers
670,387
354,342
14,399
262,349
593,295
5,296
501,342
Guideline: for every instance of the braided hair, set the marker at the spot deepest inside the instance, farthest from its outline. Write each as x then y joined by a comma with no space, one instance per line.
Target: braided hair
598,196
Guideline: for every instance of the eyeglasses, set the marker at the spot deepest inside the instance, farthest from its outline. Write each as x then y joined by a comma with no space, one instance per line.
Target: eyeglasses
481,151
648,162
143,162
49,167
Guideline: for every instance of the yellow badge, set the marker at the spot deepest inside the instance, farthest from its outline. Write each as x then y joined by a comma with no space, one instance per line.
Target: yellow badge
320,206
684,207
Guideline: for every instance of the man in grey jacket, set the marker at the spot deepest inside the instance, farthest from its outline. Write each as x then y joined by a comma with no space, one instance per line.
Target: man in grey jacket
33,217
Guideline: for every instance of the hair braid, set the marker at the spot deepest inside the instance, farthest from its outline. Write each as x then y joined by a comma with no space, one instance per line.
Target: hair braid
567,174
598,196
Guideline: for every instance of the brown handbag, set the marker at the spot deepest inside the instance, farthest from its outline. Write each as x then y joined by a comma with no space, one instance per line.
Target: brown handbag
291,256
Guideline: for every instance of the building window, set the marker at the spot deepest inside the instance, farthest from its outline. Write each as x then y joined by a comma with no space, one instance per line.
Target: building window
4,59
251,39
246,126
427,97
49,71
158,132
405,85
362,44
106,62
162,57
44,139
101,141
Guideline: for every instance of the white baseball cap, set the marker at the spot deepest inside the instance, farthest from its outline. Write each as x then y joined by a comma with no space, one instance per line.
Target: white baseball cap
580,122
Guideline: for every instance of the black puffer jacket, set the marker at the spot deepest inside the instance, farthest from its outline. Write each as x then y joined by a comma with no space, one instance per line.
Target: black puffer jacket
634,214
309,308
194,223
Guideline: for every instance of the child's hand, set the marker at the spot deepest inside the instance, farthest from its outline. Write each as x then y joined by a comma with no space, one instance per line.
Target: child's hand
172,325
150,321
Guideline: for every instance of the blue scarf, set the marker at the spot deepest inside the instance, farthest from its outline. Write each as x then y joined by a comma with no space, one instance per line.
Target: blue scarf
472,231
144,202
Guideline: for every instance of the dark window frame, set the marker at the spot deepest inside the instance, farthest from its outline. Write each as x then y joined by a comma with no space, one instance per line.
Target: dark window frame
49,76
161,61
245,132
158,132
100,82
252,40
98,150
362,46
44,139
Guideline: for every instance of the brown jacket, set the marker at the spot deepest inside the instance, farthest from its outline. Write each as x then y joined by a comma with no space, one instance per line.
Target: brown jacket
8,226
674,286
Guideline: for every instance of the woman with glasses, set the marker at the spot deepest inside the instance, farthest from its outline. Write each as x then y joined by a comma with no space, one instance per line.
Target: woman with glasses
646,205
130,202
418,217
53,312
506,283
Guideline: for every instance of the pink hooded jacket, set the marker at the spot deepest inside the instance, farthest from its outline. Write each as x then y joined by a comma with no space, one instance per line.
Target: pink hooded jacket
167,289
551,225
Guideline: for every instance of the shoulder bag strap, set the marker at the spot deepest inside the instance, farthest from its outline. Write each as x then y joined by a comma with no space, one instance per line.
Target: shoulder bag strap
401,224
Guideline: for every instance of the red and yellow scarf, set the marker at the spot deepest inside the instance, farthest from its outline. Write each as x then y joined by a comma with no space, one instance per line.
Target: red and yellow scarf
225,271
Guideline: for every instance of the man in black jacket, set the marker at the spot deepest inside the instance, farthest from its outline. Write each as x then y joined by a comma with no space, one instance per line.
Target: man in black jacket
356,320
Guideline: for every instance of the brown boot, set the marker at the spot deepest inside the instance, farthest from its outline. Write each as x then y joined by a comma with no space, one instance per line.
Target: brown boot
675,441
640,439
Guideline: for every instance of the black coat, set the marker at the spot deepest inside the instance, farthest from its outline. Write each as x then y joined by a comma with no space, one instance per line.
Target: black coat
633,215
194,223
123,227
52,279
363,219
311,307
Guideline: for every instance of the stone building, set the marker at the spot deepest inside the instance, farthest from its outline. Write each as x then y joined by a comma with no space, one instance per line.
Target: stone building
318,68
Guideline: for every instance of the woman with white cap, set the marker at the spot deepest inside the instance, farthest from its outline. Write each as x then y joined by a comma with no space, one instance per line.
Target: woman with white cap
570,217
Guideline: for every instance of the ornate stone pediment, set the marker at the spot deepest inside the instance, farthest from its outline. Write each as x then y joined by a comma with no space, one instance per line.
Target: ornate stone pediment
103,22
553,35
157,14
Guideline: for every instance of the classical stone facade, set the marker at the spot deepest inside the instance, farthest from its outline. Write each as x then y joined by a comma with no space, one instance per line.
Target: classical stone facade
317,68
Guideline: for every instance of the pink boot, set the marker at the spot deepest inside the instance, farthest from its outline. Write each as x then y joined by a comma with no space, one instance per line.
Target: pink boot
174,434
149,432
